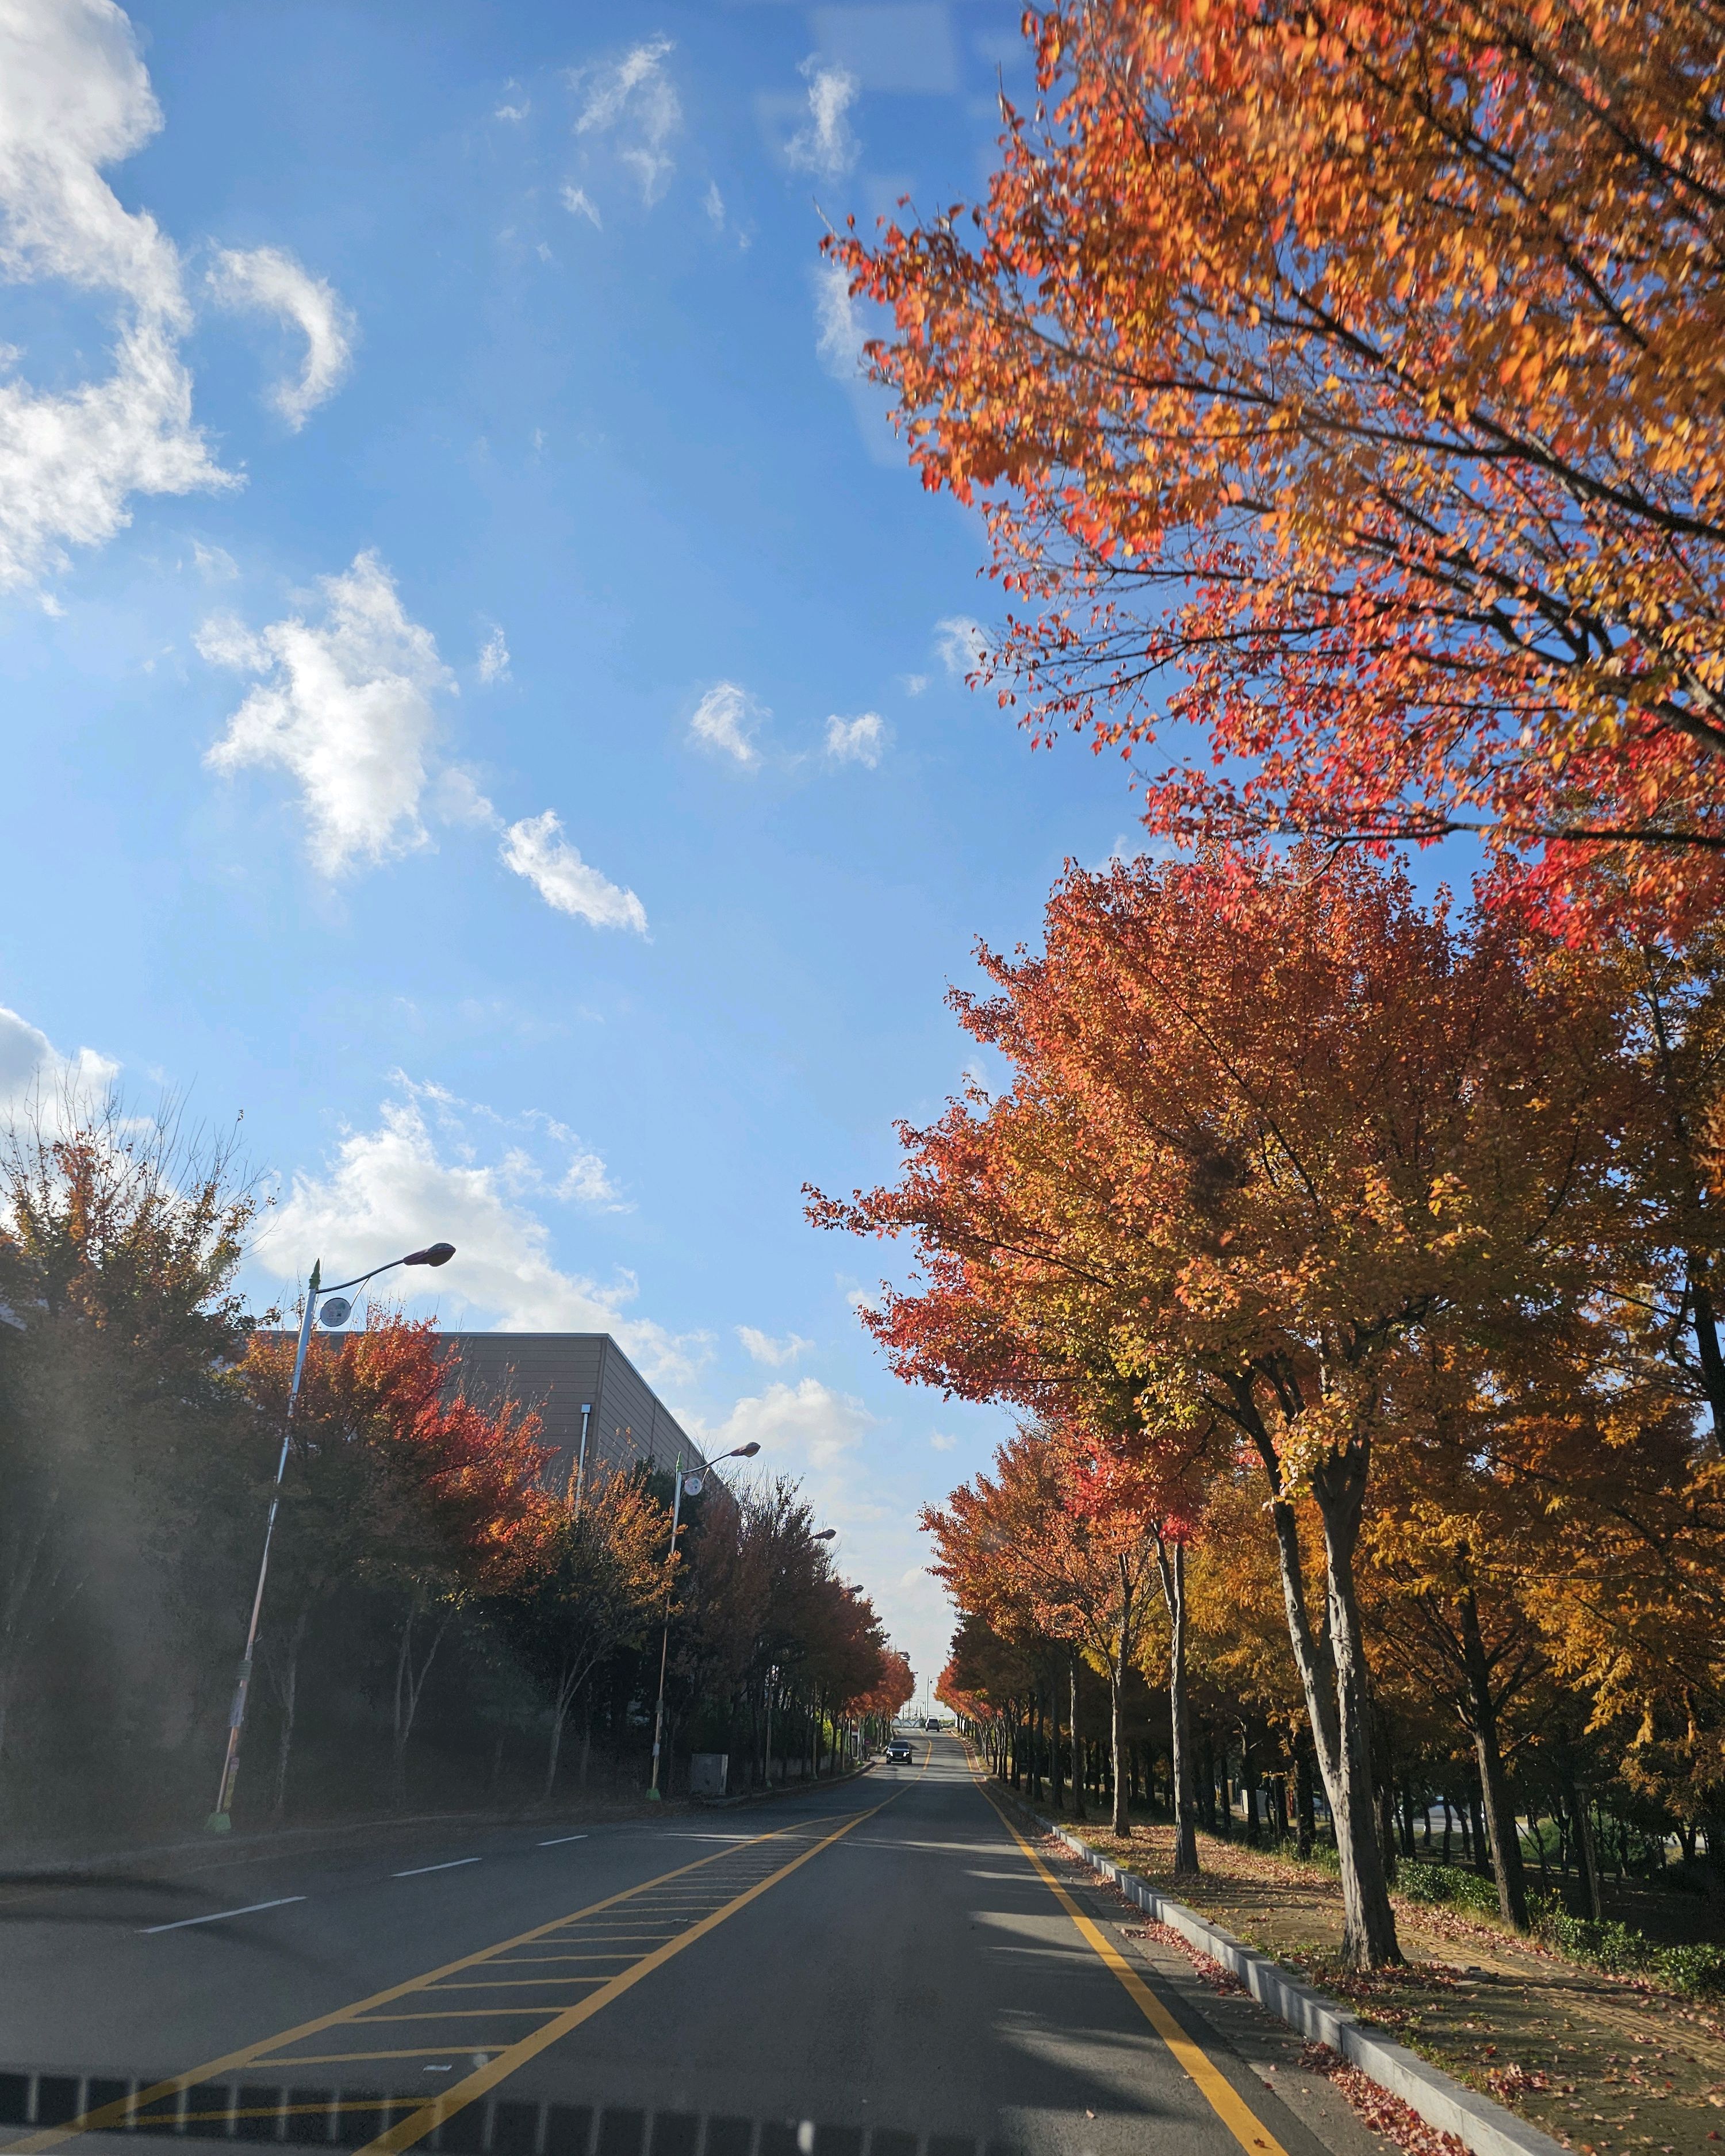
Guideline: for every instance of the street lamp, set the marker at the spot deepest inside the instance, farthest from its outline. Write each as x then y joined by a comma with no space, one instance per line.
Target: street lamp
336,1309
694,1482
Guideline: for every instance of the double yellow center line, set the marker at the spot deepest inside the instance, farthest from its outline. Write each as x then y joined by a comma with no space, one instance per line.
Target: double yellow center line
603,1950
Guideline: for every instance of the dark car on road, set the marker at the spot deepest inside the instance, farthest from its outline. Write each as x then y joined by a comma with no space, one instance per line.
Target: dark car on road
900,1748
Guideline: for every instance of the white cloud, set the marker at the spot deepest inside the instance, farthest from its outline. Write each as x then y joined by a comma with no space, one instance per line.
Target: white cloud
805,1424
74,97
345,708
516,109
961,644
838,327
494,658
714,205
913,685
271,282
634,99
826,144
941,1441
535,848
391,1188
35,1075
762,1347
579,203
724,721
857,741
587,1181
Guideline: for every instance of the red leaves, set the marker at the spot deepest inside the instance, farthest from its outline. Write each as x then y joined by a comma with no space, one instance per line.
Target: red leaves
460,1479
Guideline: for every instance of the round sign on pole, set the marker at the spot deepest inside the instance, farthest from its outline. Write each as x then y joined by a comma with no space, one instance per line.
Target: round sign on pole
336,1311
692,1486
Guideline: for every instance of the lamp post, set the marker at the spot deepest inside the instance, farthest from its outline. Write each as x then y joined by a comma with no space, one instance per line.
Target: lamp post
692,1482
335,1310
580,1457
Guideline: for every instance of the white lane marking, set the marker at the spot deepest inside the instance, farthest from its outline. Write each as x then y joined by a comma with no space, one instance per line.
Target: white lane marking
419,1870
558,1842
221,1916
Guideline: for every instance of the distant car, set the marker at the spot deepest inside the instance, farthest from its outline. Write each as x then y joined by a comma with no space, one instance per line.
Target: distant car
900,1748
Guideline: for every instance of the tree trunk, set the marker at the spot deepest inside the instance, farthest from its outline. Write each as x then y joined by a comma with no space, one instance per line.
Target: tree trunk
1494,1781
1340,1725
1340,1732
1305,1805
409,1684
1056,1782
1121,1821
1706,1345
1581,1833
1170,1564
1077,1746
567,1686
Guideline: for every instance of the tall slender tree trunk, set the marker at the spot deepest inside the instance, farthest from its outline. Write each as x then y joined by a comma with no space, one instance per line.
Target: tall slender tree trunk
1494,1781
1056,1779
409,1685
1122,1820
1587,1856
1170,1565
1305,1802
567,1685
1338,1710
1077,1744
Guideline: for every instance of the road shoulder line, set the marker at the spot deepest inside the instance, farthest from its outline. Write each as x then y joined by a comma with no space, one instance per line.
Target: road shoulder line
1483,2127
1248,2130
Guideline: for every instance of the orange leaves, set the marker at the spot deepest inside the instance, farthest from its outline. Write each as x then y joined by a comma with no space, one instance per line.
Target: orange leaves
1448,298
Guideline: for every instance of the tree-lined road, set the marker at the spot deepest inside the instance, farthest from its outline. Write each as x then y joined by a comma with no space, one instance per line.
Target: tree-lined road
879,1968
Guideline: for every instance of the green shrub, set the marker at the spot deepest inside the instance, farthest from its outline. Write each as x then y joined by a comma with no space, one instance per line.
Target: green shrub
1696,1971
1422,1882
1452,1884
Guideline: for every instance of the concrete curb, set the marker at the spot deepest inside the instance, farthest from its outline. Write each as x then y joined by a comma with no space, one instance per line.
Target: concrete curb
1485,2127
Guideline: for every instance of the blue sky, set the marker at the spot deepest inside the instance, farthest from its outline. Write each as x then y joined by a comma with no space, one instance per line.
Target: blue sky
483,693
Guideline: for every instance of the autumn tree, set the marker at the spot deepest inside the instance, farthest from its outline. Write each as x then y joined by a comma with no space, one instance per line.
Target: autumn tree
1059,1534
589,1579
1276,1126
1360,364
124,1449
399,1480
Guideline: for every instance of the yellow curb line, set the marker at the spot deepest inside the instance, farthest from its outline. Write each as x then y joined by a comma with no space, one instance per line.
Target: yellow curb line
1229,2105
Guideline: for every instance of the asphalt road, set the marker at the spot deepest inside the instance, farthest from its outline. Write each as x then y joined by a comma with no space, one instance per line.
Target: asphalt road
881,1969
